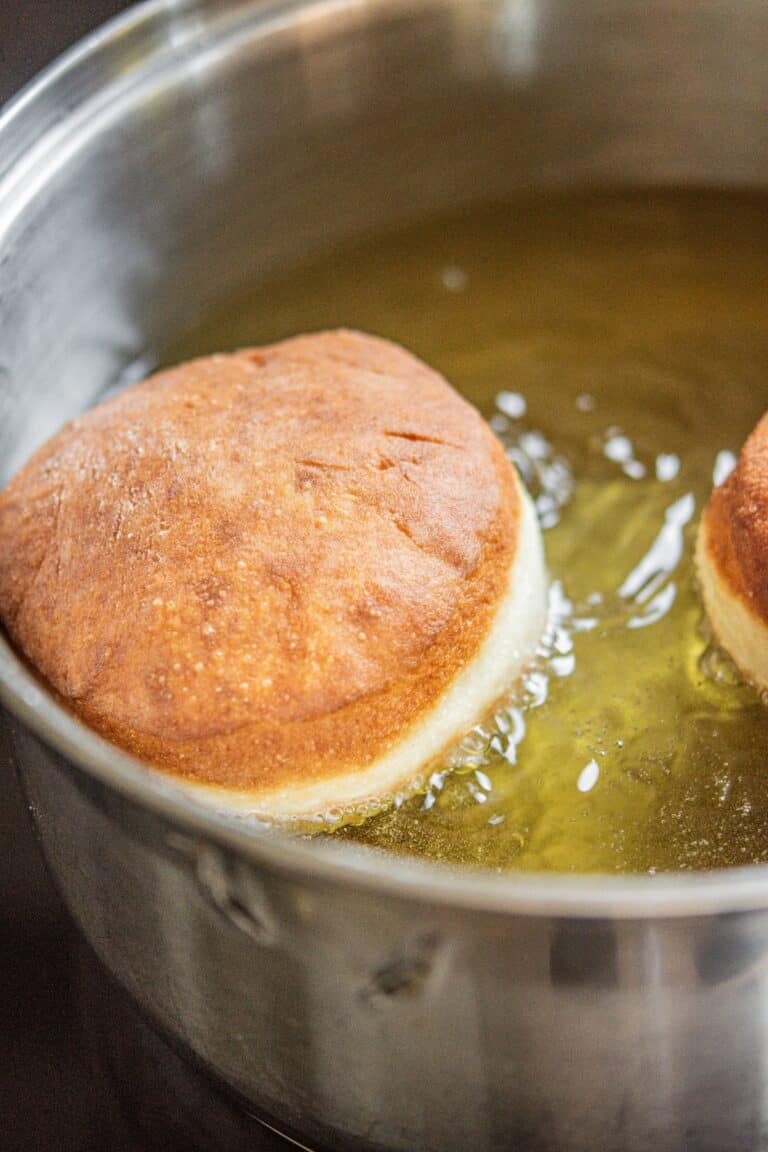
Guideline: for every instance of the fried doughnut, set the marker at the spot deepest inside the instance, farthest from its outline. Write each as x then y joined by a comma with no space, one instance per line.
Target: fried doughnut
290,577
732,559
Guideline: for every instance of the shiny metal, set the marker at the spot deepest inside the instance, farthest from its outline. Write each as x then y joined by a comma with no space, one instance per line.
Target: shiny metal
365,1002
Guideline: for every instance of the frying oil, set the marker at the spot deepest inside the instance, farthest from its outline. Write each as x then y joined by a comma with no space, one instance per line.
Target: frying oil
619,346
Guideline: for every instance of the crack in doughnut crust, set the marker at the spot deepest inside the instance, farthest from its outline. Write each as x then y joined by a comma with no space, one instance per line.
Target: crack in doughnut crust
732,558
260,569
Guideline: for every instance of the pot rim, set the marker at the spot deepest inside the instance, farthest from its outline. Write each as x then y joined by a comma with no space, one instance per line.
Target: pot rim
600,896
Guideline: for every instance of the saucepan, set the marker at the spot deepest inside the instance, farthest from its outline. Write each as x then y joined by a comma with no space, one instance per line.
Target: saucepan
362,1001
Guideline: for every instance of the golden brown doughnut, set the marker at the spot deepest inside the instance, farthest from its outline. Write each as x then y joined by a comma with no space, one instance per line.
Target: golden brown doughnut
732,559
270,573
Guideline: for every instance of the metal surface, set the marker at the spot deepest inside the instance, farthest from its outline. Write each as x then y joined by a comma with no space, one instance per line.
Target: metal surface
81,1069
367,1002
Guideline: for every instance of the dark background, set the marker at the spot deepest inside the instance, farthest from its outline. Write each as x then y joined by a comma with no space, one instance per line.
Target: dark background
54,1095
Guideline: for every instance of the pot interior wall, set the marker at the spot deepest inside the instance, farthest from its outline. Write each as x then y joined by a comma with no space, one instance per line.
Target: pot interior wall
220,141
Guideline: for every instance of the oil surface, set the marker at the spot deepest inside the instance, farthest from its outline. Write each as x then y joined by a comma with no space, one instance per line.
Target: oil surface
619,344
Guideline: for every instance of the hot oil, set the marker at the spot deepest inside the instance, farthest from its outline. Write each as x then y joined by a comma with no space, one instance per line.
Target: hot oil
619,345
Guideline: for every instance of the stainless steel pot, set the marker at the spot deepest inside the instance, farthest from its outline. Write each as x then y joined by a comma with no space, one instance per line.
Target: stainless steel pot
367,1002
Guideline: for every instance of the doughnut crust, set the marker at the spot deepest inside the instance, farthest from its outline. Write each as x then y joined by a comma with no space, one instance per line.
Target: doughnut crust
259,571
732,559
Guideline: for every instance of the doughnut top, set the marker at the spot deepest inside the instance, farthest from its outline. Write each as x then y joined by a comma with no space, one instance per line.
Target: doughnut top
261,568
